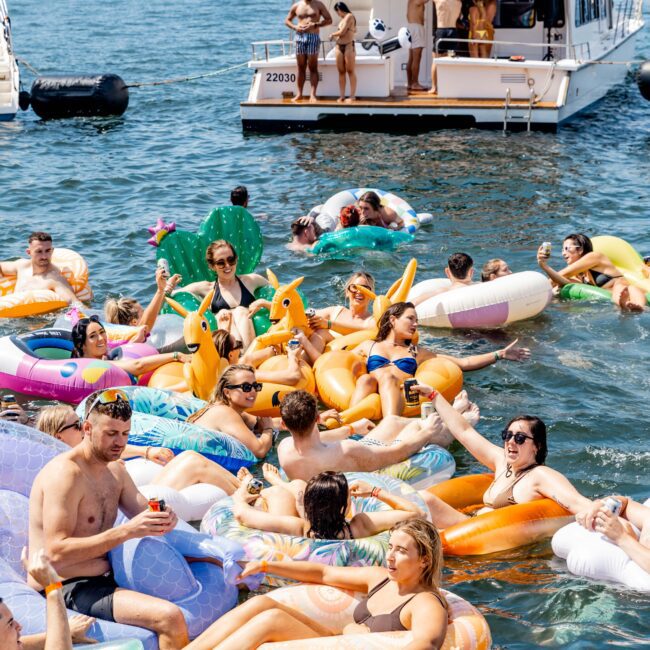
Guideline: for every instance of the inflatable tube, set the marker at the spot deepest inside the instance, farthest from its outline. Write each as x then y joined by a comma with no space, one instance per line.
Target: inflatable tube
370,237
38,363
334,608
32,303
152,565
263,545
497,530
584,292
336,374
625,258
497,303
592,555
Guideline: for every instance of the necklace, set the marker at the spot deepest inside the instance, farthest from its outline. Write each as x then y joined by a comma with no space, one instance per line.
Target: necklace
508,470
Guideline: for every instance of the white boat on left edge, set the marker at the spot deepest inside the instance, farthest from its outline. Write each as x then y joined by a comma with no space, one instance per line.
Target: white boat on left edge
9,76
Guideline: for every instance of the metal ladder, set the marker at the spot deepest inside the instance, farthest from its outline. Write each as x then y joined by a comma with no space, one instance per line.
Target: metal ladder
506,109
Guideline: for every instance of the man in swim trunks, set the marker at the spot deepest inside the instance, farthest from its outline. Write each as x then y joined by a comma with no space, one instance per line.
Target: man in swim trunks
38,272
72,507
460,270
309,452
311,15
415,20
447,15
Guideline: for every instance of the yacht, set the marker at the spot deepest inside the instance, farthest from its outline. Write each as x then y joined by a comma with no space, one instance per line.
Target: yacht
549,59
9,78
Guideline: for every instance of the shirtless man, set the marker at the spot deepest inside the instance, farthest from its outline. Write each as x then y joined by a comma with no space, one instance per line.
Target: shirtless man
460,270
415,20
72,507
38,272
311,15
304,233
447,15
309,452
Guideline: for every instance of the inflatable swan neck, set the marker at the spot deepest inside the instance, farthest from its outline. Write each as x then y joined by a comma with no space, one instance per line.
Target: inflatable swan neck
400,290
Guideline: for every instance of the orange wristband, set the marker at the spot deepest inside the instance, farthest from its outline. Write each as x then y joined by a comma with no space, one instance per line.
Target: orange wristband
53,587
264,566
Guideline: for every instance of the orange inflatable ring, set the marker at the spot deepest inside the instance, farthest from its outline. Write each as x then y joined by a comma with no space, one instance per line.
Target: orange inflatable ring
337,372
497,530
41,301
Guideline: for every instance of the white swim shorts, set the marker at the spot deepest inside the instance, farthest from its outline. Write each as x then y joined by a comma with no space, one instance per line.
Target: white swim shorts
417,35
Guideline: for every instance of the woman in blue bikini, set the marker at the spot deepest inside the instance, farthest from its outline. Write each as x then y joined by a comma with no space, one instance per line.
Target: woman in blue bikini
392,358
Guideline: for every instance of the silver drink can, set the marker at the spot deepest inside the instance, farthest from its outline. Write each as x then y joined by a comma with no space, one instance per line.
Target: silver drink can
426,409
310,313
293,344
613,505
163,264
546,247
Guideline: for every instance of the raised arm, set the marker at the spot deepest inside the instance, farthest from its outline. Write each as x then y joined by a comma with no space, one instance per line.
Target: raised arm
482,449
151,311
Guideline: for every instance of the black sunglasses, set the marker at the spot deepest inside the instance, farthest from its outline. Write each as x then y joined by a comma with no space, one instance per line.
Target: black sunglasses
519,437
89,319
231,260
75,425
246,387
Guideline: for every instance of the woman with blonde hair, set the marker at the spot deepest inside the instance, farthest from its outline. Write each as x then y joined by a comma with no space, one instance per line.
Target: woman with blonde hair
481,17
235,392
405,595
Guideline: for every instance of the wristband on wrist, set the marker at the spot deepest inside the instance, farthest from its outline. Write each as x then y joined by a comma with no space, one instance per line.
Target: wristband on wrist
496,357
52,587
264,566
432,394
175,355
375,492
146,453
329,324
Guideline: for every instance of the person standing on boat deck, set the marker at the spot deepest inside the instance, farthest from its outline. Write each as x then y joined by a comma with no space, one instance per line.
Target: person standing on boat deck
311,15
346,57
415,20
447,15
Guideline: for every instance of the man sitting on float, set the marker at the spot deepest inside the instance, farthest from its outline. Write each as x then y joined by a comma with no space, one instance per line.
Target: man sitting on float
460,270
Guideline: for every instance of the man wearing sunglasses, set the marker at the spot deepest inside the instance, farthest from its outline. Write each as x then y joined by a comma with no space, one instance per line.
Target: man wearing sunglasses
73,505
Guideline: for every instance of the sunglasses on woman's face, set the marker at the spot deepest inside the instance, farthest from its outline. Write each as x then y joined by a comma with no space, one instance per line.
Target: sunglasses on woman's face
519,437
75,425
231,260
246,386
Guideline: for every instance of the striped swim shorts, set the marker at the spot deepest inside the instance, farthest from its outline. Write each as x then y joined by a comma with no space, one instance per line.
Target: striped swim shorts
307,44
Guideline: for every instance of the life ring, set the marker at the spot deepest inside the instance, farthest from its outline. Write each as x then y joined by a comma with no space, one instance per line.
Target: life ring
592,555
41,301
38,363
336,374
334,608
498,530
204,590
507,299
264,545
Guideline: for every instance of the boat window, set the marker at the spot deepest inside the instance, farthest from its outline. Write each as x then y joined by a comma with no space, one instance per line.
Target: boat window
515,14
589,10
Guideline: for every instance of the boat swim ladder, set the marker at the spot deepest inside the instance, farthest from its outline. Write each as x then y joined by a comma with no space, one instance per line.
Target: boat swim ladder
507,105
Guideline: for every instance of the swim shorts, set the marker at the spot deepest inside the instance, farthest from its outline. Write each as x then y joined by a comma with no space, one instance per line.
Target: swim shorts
417,35
91,595
307,43
447,45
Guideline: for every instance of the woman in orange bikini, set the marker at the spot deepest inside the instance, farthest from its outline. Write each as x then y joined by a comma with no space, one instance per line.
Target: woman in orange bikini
346,57
520,475
481,17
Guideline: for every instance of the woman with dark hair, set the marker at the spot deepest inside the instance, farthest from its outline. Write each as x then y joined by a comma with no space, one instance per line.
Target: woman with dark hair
392,358
373,213
317,508
520,475
403,595
90,342
235,392
586,266
233,301
346,57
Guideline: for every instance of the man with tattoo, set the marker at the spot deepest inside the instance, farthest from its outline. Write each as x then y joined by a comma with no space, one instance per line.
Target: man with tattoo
311,15
72,508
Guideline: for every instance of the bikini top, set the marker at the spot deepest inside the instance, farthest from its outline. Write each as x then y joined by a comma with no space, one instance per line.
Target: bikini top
600,279
383,622
218,302
505,498
407,365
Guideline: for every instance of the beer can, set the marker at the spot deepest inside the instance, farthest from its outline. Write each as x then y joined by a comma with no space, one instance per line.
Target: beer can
163,264
546,247
412,397
613,505
426,409
156,505
310,313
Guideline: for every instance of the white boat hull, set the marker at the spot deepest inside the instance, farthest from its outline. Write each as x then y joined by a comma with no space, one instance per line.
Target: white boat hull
9,75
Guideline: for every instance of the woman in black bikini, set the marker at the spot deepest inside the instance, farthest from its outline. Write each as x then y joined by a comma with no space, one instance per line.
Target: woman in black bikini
233,301
519,470
589,267
346,58
404,596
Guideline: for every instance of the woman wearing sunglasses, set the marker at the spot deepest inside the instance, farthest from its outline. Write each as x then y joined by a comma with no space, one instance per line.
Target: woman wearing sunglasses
233,301
520,475
235,392
586,266
89,341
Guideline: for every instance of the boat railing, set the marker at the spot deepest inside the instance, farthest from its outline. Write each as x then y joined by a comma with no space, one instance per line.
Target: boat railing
264,50
570,50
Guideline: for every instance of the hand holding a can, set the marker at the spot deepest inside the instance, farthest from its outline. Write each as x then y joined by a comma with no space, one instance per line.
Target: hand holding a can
610,525
543,254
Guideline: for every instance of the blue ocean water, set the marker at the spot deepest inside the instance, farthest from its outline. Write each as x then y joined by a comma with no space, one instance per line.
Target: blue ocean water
96,184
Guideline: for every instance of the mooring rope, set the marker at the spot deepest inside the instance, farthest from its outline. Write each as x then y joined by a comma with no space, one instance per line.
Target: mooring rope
176,80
